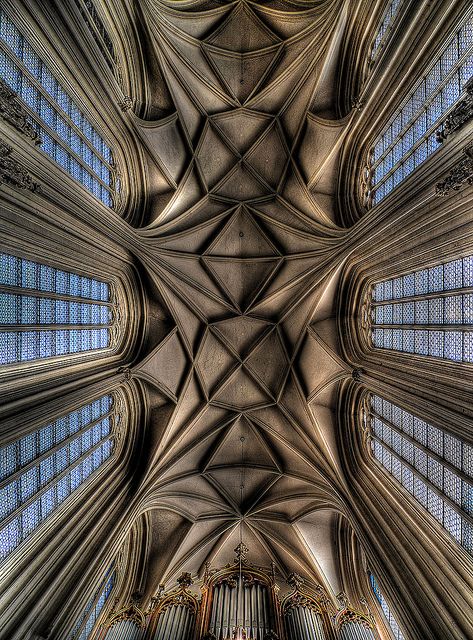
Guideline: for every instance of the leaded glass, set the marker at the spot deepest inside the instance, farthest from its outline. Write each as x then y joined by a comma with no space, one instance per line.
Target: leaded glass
66,134
385,26
428,312
408,139
397,633
47,312
83,627
434,466
40,470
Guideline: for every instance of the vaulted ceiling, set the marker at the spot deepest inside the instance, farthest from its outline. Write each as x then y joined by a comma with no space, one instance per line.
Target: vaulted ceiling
244,256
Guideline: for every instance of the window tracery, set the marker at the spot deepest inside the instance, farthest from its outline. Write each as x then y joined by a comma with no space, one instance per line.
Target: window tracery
97,30
410,135
84,626
435,467
48,312
67,136
427,312
40,470
393,625
385,27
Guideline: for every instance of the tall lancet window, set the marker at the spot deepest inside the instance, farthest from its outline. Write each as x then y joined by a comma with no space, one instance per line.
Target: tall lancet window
67,136
385,27
428,312
435,467
46,312
409,137
97,30
85,624
390,619
40,470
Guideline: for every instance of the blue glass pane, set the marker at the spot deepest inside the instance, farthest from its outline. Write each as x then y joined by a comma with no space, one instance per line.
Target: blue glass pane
35,493
53,110
408,139
426,471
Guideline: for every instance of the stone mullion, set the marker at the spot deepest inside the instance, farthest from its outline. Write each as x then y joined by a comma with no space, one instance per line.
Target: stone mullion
444,293
424,479
37,293
24,505
432,454
52,327
405,556
50,100
19,472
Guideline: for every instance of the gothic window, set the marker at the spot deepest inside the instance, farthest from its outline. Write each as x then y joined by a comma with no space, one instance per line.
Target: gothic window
435,467
47,312
427,312
409,136
97,30
385,27
66,134
84,626
393,625
40,470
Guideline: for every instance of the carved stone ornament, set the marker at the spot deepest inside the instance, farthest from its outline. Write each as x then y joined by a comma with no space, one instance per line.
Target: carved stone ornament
462,113
241,552
460,175
127,103
12,173
271,635
13,112
132,613
185,580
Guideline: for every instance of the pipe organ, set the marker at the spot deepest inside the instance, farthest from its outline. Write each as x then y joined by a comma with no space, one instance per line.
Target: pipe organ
354,625
305,614
239,602
175,614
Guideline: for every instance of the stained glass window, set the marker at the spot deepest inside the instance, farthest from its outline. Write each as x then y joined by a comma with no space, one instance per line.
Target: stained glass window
385,26
97,30
427,312
435,467
41,469
47,312
84,626
396,631
409,137
66,134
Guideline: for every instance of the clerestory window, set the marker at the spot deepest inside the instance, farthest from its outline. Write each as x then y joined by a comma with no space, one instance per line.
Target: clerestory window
390,619
84,626
46,312
97,30
385,27
409,137
434,466
40,470
427,312
67,136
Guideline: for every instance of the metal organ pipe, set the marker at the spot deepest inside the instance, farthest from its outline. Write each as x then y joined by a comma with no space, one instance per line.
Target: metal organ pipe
124,630
176,622
355,631
303,623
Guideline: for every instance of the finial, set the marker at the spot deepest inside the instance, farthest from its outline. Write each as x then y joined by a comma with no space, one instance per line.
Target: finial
185,580
295,580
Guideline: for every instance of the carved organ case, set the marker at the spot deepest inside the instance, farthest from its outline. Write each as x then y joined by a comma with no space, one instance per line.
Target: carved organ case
240,602
175,614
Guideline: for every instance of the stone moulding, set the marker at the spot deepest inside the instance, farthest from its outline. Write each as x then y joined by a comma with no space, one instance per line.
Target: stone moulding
460,175
13,112
13,173
462,114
